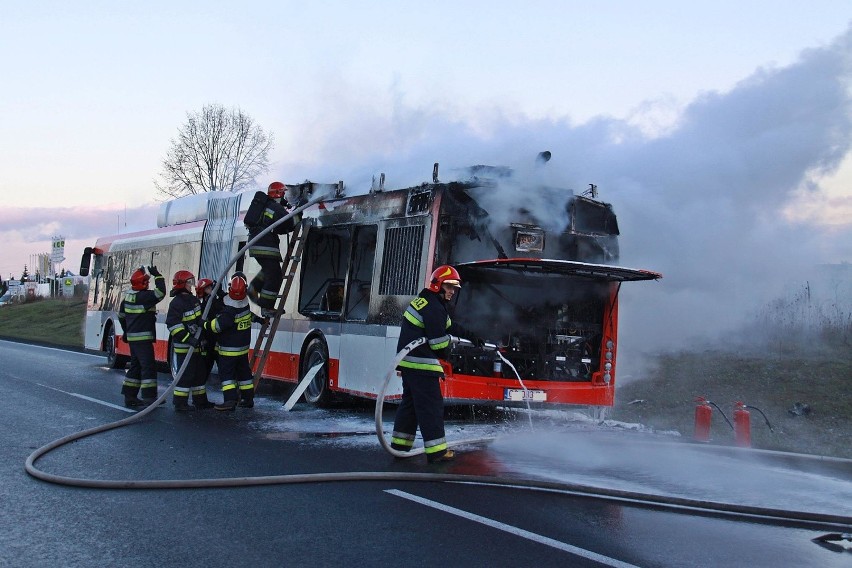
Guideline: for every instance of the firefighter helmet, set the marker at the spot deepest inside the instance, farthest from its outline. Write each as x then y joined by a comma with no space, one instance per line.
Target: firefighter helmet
444,274
182,278
201,287
237,288
139,279
276,190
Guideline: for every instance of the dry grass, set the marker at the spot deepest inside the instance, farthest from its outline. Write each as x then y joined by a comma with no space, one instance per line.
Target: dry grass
771,382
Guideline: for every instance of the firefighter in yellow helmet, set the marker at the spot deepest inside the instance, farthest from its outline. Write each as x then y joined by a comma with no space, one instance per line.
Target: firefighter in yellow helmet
138,317
422,403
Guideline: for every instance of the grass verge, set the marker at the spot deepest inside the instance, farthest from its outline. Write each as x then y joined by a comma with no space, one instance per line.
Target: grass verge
52,321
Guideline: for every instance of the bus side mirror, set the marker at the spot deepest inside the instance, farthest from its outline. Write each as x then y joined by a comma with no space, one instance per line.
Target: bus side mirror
86,261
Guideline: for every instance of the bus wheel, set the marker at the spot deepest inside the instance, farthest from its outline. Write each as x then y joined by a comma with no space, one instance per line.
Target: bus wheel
318,392
114,360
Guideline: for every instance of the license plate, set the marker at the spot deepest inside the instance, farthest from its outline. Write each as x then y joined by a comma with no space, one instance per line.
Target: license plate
521,395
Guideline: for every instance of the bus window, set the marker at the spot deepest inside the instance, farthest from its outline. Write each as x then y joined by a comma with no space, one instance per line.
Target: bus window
361,273
325,262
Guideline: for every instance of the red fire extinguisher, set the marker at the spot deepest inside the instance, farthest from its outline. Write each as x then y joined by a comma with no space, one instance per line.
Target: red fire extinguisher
497,369
703,416
742,425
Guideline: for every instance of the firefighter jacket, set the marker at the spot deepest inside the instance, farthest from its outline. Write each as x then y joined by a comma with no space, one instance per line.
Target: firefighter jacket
138,312
427,316
233,327
183,319
269,245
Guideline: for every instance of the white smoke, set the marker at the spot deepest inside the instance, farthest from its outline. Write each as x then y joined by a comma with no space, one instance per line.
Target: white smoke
701,201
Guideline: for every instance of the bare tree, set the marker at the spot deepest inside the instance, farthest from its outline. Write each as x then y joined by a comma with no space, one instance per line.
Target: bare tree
218,149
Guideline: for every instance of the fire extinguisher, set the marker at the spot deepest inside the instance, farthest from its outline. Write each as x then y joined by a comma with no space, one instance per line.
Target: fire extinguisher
497,369
703,416
742,425
742,421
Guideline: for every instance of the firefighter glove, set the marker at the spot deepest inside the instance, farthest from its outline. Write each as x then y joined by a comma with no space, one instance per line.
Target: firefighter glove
153,271
476,340
193,341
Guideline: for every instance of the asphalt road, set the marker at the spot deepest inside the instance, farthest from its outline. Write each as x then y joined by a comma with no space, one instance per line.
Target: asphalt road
49,393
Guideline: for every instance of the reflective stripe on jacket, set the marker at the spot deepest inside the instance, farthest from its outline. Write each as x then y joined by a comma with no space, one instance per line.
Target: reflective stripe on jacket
183,318
426,316
233,328
138,311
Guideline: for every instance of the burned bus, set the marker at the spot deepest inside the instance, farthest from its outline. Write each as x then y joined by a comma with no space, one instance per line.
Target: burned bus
539,281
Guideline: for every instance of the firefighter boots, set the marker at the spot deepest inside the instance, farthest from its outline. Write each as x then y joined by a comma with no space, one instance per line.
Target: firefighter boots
227,405
449,455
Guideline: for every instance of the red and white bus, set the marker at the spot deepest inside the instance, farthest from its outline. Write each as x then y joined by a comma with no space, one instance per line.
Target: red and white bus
540,281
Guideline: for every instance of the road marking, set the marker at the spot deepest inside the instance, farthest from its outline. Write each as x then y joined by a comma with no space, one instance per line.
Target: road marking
606,560
60,349
90,399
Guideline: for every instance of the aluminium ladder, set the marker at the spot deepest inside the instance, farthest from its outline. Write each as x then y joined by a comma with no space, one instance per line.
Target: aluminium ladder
263,344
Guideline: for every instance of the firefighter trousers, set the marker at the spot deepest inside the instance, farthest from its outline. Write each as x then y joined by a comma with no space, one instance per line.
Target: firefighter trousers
237,380
422,405
141,377
266,286
192,382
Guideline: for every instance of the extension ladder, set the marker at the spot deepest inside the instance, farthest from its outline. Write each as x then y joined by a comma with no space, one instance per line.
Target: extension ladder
263,344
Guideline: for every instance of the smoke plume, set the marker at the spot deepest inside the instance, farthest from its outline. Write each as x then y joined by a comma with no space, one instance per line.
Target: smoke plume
704,201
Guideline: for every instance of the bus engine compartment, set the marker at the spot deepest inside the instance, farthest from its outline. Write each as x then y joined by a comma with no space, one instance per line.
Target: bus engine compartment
549,326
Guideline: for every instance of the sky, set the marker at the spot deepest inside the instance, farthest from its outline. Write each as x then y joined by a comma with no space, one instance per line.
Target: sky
720,131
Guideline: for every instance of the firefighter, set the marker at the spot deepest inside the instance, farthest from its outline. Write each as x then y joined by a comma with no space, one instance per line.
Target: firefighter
207,349
138,317
422,403
233,328
265,287
184,323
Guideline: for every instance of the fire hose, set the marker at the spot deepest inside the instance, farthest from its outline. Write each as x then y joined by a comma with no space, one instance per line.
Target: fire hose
765,514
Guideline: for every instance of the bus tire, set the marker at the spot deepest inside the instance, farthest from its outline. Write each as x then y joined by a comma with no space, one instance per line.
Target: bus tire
318,391
114,360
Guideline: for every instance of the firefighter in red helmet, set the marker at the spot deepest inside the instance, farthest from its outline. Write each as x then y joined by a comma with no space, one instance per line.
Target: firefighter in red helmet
184,323
271,207
233,329
204,292
137,314
422,403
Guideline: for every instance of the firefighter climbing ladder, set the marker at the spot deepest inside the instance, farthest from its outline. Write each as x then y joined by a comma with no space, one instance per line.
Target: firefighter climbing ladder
263,344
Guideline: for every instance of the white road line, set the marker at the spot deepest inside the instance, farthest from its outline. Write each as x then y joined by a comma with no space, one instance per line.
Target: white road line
90,399
606,560
53,348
